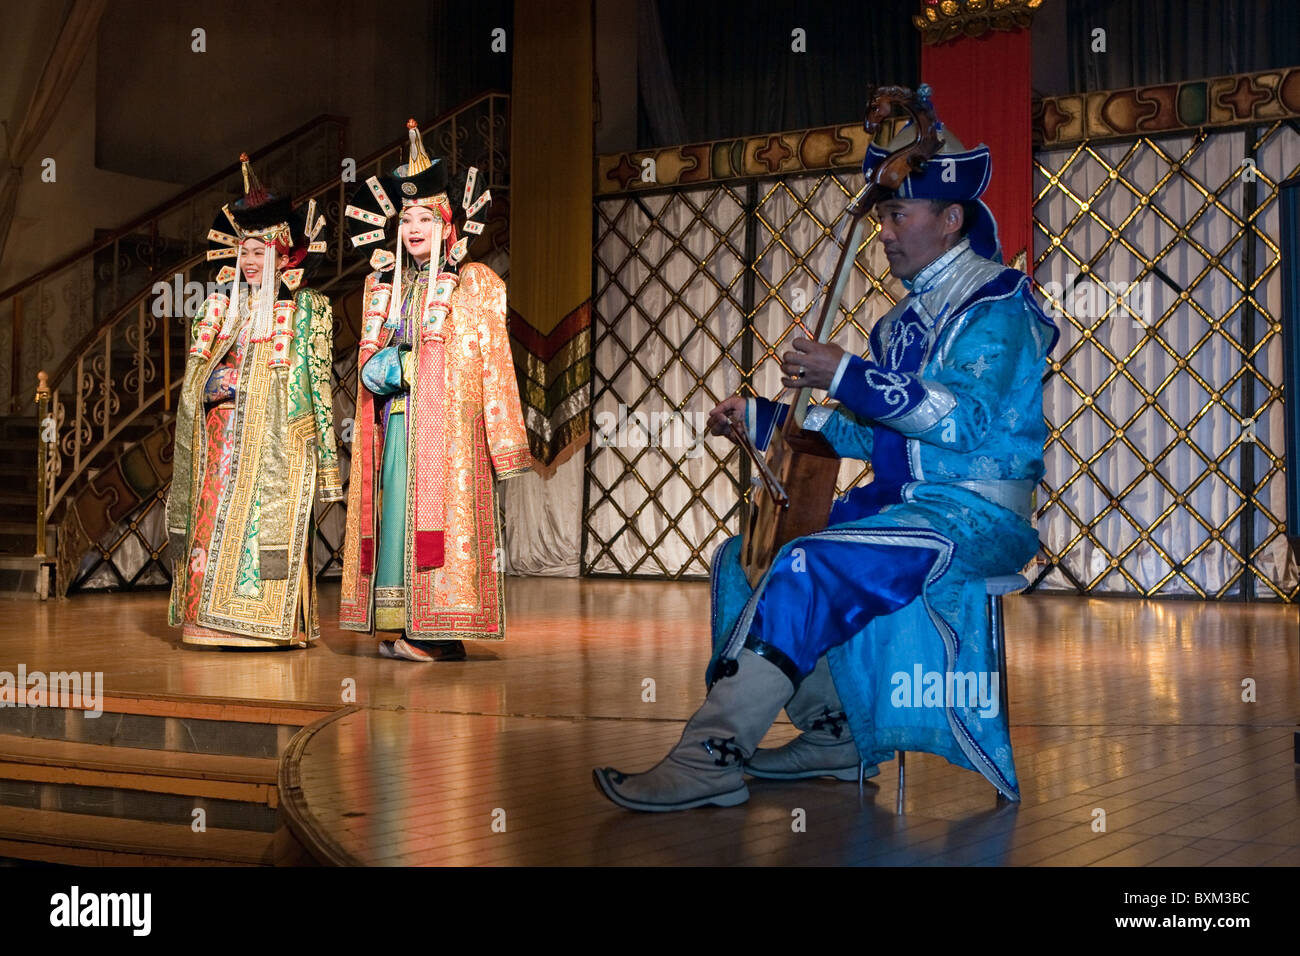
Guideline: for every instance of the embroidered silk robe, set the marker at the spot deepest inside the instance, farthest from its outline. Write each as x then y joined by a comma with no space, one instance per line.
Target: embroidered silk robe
948,409
254,444
460,426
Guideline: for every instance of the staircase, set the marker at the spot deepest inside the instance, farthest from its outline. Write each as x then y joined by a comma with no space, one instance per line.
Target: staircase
92,284
152,781
21,572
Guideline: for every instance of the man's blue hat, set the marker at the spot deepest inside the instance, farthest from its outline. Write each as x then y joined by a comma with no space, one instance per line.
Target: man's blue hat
956,174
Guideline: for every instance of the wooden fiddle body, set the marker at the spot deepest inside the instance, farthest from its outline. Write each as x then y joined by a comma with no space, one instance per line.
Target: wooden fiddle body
795,485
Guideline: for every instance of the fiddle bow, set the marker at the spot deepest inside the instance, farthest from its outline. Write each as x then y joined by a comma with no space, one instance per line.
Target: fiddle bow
799,460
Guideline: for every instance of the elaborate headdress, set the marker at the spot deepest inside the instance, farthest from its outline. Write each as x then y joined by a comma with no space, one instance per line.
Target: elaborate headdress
956,174
420,181
272,219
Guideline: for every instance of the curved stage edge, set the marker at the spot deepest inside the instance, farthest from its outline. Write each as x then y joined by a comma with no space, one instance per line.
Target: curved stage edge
1118,704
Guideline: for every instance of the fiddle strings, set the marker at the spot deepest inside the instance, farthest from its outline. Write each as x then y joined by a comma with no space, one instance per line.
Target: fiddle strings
825,259
838,282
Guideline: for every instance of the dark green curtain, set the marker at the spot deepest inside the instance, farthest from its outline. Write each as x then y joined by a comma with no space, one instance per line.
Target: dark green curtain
464,64
1166,41
735,75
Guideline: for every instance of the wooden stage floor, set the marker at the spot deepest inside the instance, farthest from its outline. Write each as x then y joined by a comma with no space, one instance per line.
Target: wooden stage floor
1131,707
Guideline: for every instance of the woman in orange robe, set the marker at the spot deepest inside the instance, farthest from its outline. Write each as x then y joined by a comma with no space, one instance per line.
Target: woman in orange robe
438,422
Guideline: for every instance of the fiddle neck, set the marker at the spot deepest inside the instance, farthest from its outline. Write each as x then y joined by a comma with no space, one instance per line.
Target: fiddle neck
833,291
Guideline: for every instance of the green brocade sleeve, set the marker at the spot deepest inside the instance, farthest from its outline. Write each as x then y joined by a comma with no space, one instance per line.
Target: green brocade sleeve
180,495
320,362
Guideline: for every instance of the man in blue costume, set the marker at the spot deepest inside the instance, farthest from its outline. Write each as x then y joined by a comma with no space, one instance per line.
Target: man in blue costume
873,634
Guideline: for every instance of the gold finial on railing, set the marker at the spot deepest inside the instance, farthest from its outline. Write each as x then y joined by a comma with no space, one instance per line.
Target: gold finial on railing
44,438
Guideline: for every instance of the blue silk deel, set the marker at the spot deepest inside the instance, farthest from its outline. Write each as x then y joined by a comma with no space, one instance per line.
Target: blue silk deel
947,407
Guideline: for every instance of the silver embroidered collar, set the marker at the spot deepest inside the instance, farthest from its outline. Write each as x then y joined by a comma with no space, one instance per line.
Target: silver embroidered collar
948,282
924,280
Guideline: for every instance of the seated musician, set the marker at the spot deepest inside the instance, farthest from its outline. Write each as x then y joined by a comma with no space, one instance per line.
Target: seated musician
853,627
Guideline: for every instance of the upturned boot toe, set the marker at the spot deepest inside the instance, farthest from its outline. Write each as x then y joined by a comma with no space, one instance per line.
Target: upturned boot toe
706,767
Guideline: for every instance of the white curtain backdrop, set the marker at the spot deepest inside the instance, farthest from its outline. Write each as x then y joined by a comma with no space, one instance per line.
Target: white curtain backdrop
1130,408
671,272
666,282
543,521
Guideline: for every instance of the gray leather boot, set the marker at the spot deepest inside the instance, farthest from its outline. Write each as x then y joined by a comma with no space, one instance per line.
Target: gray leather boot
707,765
824,749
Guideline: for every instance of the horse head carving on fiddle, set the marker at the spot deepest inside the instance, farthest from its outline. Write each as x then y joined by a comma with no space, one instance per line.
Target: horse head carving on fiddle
884,102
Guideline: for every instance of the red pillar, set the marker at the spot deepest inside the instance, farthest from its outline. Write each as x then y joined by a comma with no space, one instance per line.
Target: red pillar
982,92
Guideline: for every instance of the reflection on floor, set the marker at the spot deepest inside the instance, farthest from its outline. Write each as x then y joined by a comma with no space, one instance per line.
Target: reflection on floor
1130,707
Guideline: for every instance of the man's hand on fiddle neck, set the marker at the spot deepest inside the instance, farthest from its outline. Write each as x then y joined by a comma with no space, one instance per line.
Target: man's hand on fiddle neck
810,364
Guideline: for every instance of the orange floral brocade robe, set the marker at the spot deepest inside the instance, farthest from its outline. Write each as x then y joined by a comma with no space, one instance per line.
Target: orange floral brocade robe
464,429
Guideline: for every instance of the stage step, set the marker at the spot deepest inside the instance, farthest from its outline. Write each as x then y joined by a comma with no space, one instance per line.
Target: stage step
19,428
27,528
18,452
20,477
19,538
47,778
79,839
217,776
17,505
209,726
21,581
125,787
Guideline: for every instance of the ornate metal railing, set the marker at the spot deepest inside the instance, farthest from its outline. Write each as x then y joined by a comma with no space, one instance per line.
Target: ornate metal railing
47,459
122,376
71,298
